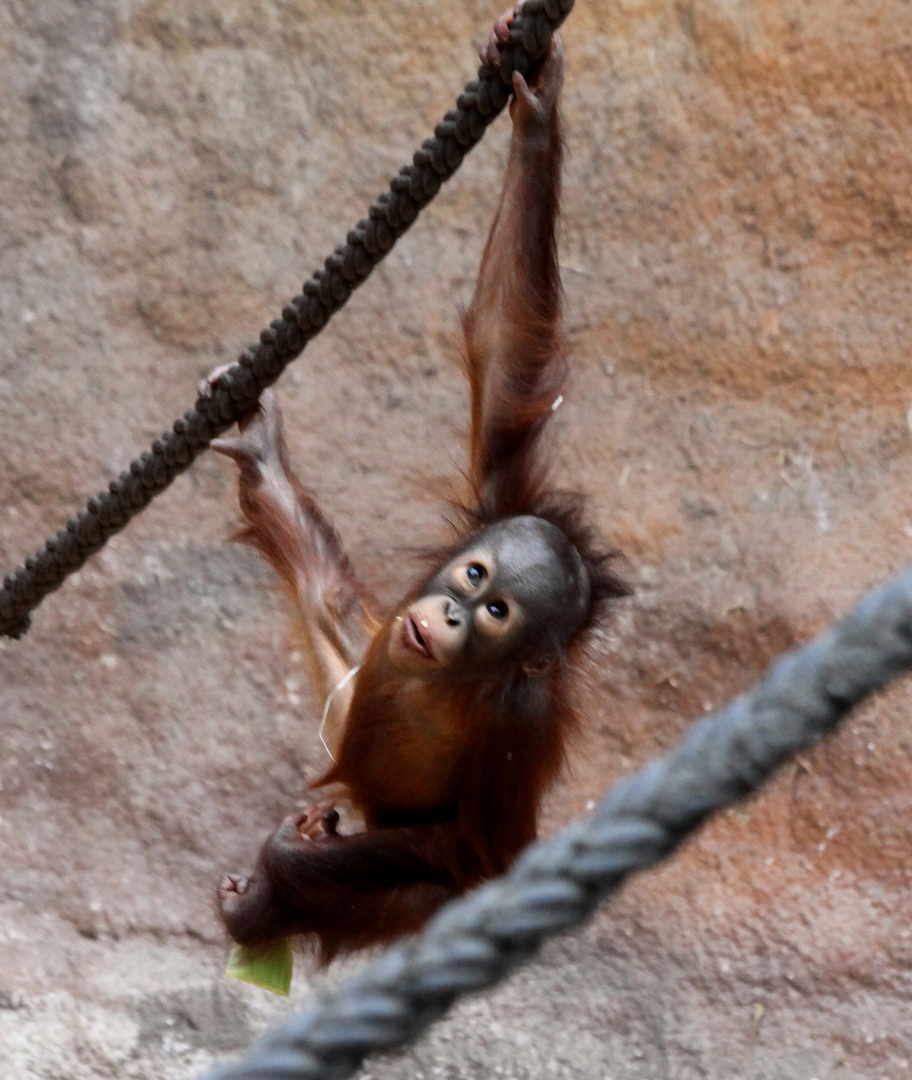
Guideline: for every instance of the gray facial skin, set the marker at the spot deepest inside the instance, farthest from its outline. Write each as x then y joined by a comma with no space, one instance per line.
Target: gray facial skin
517,588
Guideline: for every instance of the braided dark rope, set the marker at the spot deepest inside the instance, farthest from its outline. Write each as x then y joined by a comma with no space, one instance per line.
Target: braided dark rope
476,941
302,318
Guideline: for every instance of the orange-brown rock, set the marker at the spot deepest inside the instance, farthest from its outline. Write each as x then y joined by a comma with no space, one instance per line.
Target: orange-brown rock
737,254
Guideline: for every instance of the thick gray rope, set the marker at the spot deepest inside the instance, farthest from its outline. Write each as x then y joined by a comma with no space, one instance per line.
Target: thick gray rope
302,318
475,942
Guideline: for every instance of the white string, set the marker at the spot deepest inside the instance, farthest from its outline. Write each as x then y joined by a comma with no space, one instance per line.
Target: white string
329,700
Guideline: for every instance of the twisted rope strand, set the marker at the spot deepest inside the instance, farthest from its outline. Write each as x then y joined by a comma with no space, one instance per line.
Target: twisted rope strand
476,941
302,318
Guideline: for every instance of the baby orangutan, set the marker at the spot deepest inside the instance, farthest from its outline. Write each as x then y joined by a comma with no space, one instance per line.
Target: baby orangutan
457,718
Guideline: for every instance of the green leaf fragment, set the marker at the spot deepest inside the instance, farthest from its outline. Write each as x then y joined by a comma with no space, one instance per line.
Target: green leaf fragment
267,966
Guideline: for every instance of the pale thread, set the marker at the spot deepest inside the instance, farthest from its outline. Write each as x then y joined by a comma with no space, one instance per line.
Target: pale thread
341,684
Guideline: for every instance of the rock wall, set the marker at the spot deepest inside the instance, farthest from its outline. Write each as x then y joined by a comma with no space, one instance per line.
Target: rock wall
737,256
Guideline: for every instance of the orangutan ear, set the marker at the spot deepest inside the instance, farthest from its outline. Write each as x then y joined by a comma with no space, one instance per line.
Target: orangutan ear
537,666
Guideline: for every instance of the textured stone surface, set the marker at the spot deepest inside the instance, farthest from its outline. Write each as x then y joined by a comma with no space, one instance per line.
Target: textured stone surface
737,251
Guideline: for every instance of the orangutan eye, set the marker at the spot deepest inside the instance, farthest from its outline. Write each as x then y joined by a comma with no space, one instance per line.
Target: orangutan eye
476,573
497,619
497,609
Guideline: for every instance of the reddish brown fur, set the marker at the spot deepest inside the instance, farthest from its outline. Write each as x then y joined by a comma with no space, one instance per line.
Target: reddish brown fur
448,774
